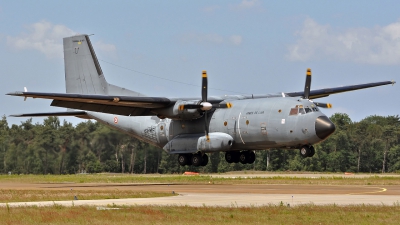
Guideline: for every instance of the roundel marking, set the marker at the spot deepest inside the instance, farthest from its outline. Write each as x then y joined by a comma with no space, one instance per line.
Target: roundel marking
115,119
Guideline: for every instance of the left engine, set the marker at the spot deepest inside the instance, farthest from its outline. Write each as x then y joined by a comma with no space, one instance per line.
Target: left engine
178,112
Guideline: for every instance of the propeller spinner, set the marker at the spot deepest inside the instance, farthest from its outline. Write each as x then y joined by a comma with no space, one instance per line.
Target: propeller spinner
205,105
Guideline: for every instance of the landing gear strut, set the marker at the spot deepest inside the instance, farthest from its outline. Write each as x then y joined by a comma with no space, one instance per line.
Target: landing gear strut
244,157
307,151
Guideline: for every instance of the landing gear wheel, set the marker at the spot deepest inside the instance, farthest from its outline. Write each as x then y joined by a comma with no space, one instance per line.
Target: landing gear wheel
244,157
305,151
184,159
229,156
252,157
197,159
236,156
312,151
205,160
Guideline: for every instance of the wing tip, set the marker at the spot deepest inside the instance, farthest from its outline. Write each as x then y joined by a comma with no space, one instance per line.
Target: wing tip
15,93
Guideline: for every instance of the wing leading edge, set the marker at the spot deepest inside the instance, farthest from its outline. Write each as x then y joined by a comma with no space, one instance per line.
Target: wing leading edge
144,106
320,93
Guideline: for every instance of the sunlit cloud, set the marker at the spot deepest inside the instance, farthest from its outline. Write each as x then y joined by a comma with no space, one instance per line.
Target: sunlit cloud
47,38
236,39
377,45
246,4
217,39
210,9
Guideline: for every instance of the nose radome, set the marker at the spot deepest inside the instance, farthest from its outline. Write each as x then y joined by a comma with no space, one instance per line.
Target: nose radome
324,127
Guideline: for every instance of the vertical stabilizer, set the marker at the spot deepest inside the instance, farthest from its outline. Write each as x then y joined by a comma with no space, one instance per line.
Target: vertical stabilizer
83,73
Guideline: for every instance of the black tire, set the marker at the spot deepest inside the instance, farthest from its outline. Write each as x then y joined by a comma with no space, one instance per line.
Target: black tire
236,156
205,160
183,159
244,157
252,157
305,151
197,159
229,156
312,151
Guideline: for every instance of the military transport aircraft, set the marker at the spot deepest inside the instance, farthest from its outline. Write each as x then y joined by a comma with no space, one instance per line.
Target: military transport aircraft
193,127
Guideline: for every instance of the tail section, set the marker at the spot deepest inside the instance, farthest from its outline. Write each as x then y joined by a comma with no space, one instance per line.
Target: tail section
83,74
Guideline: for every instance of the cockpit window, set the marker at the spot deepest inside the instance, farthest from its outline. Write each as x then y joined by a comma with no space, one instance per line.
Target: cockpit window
302,111
297,110
293,111
314,108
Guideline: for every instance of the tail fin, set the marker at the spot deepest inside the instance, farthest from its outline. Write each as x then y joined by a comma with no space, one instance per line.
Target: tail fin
83,74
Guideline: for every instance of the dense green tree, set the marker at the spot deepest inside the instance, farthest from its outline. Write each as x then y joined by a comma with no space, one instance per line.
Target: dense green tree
370,145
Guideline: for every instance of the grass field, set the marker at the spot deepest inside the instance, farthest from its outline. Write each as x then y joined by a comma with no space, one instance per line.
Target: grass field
306,214
276,178
273,214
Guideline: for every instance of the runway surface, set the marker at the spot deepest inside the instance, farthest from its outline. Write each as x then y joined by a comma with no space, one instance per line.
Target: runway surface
226,195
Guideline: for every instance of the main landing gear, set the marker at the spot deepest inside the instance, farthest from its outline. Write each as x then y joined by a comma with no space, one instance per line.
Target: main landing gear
244,157
307,151
197,159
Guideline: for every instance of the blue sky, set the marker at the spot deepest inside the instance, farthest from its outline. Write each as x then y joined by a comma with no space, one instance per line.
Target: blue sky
247,46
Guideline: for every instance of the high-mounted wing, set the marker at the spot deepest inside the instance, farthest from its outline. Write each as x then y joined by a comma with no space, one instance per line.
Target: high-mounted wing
320,93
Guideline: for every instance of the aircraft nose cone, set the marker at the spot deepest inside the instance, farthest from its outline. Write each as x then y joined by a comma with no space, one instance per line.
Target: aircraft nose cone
324,127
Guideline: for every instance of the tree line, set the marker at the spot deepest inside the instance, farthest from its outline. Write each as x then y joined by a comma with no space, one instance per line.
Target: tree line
54,147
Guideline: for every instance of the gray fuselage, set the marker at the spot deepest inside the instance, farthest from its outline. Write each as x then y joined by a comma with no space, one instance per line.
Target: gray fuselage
254,124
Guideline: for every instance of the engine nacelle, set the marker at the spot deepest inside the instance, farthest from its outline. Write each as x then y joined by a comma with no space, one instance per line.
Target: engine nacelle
174,112
217,142
192,143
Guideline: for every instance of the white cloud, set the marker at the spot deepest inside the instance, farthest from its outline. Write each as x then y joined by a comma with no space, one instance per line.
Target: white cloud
246,4
210,9
44,37
211,39
105,47
47,38
377,45
236,39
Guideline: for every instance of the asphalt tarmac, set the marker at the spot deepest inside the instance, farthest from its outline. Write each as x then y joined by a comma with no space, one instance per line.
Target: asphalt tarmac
226,195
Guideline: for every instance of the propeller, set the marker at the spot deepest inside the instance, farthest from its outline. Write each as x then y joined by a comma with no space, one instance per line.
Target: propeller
307,88
205,105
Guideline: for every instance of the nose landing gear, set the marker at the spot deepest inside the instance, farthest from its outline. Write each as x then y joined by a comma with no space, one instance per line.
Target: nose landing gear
307,151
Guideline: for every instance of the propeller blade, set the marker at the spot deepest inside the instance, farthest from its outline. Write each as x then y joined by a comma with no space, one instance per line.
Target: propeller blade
307,86
204,86
222,105
323,105
206,126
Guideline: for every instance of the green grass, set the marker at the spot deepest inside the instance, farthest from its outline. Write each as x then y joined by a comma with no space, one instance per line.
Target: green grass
306,214
277,178
60,195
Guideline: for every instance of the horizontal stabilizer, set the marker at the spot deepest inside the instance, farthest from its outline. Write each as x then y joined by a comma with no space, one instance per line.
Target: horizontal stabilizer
80,114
